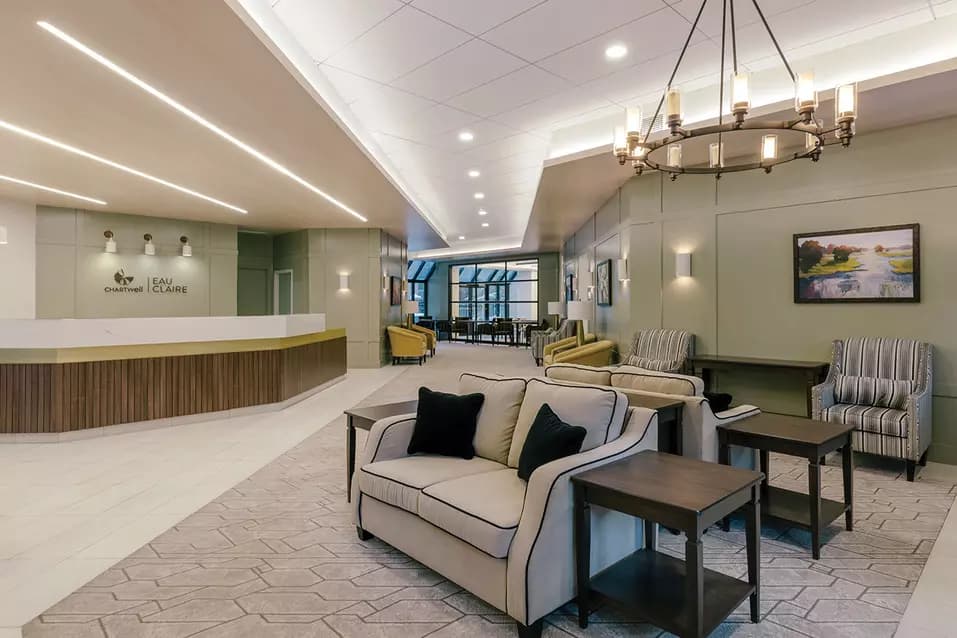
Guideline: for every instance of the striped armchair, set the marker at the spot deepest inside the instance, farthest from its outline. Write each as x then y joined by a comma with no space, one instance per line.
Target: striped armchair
883,387
660,349
541,338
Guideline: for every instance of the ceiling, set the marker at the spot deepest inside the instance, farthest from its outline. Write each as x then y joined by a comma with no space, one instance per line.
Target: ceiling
530,80
204,56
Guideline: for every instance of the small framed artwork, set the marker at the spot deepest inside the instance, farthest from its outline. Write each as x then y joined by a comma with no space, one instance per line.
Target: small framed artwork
603,271
880,264
569,287
395,291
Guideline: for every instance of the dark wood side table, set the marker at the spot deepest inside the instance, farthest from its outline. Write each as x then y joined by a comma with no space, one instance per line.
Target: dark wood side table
670,412
363,418
685,494
796,436
814,372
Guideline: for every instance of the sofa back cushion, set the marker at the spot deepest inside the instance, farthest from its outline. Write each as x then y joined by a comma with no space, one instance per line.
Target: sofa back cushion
631,378
659,349
881,357
499,414
600,410
874,391
578,373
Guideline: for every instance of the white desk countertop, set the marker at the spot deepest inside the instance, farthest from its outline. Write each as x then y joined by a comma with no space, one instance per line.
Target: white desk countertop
84,333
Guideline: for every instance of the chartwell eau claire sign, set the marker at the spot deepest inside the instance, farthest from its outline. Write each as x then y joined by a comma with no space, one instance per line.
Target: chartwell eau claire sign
127,284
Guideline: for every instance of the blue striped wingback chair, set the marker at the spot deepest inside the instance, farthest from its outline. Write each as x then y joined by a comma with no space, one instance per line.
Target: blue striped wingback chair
660,349
541,338
883,387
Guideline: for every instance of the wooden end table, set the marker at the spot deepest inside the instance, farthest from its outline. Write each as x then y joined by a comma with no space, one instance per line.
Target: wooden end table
796,436
685,494
670,412
363,418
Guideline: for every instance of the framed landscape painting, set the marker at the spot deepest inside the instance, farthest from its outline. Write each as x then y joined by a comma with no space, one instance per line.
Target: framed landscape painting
879,264
604,283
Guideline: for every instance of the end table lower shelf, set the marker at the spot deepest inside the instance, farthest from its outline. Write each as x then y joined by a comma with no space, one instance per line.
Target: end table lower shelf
652,586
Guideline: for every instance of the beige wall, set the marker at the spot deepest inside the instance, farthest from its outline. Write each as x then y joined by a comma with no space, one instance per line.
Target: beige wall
18,260
739,229
72,268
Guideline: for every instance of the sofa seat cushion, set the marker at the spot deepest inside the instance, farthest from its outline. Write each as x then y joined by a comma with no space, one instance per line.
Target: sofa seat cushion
481,509
598,409
644,380
400,481
877,420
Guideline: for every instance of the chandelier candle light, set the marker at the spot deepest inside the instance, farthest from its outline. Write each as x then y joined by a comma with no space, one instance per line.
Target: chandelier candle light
630,144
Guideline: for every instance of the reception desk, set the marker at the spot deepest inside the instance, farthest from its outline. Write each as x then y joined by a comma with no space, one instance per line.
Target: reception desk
71,375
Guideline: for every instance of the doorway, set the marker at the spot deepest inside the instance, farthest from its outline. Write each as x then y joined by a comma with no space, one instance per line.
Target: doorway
282,292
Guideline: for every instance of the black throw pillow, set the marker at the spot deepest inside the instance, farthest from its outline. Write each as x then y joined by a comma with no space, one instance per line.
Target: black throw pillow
719,401
445,423
548,439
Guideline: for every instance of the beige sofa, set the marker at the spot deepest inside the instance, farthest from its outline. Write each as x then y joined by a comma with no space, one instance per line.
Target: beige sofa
478,524
699,421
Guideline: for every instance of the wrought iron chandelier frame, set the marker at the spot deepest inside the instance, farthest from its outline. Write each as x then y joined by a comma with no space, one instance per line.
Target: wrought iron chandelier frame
639,150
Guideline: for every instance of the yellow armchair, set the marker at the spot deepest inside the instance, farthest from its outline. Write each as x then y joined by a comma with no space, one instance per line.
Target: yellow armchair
596,354
552,349
407,344
430,337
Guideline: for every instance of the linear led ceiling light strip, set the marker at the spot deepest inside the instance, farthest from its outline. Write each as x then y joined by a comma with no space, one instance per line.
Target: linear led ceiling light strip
50,189
126,75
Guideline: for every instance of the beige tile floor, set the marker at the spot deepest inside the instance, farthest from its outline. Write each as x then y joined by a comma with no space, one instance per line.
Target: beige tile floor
70,510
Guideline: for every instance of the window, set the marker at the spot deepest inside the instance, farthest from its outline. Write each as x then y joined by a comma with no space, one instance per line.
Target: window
494,290
418,275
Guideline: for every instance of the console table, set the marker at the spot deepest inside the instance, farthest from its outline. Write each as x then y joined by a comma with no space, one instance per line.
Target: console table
688,495
814,372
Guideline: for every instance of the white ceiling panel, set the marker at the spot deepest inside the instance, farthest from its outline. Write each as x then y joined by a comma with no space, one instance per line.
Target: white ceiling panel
475,16
515,89
407,40
350,86
463,68
428,126
558,24
323,27
542,113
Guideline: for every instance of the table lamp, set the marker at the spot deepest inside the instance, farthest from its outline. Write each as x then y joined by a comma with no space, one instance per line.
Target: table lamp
556,309
409,308
578,312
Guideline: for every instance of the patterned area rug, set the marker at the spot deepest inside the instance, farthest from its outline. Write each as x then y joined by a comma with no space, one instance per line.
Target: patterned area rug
277,557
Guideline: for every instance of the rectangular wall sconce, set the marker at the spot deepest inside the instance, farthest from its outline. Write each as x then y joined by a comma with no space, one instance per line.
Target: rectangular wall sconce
682,264
343,281
3,235
622,269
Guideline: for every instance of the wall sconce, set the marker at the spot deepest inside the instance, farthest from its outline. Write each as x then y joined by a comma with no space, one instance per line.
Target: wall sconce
385,281
187,249
110,246
149,248
622,270
344,281
682,264
3,235
591,265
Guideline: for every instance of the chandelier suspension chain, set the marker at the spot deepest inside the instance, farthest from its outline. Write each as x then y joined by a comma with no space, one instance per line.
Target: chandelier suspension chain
674,71
774,40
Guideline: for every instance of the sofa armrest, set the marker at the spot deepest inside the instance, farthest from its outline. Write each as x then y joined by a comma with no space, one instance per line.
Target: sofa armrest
388,439
920,411
556,346
737,413
541,559
822,397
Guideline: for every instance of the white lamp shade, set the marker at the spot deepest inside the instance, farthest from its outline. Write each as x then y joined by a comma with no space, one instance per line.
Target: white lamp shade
410,306
149,248
683,264
577,310
556,308
187,250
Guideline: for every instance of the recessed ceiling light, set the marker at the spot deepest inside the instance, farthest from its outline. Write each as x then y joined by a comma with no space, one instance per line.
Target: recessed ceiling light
262,157
483,212
479,195
616,51
122,167
461,237
474,173
484,224
466,136
50,189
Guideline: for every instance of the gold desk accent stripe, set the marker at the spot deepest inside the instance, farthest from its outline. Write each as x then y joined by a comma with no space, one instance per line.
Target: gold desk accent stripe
149,350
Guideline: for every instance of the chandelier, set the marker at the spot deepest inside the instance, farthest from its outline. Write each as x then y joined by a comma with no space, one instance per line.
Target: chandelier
665,154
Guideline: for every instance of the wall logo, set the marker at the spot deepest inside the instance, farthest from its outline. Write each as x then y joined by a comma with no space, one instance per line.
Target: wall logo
154,285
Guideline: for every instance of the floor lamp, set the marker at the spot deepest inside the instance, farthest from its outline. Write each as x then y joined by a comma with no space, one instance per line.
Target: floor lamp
578,312
556,309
